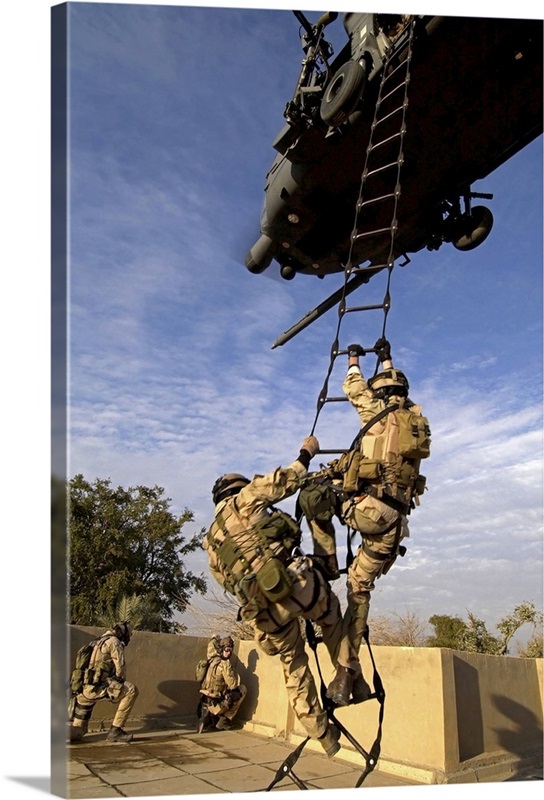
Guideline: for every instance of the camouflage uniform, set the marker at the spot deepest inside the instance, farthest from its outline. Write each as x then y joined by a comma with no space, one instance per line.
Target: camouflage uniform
221,687
110,655
375,520
277,624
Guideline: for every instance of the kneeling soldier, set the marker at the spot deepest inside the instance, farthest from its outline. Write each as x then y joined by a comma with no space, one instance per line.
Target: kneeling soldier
221,690
108,669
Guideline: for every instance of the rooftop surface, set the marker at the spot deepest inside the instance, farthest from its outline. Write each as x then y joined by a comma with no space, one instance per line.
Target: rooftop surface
181,762
176,762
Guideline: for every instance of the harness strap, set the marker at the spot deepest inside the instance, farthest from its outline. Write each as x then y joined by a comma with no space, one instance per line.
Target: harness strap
286,768
390,501
368,425
371,758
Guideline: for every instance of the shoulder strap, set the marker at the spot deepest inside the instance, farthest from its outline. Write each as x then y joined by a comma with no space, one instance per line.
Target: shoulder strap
367,426
98,644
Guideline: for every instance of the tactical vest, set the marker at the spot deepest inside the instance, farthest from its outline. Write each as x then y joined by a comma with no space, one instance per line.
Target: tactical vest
213,683
386,464
252,555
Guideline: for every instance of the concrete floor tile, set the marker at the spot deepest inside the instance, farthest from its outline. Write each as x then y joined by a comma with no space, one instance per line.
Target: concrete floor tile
90,786
265,753
250,778
198,765
188,784
122,773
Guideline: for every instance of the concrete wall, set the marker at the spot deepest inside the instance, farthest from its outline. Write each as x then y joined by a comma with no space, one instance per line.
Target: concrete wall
449,716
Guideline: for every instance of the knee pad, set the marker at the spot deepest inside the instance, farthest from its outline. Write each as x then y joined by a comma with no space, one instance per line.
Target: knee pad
82,712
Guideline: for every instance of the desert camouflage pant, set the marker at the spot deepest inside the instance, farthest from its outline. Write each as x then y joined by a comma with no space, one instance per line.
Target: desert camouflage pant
228,704
123,694
375,557
278,633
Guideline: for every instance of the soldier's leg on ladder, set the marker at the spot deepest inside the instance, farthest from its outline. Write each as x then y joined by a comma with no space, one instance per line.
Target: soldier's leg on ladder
361,576
288,644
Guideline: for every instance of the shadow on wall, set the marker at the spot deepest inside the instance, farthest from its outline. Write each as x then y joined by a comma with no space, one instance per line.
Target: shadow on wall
523,727
173,690
470,726
251,682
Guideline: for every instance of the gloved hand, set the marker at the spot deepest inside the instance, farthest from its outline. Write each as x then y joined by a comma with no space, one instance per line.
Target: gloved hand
355,350
311,445
383,350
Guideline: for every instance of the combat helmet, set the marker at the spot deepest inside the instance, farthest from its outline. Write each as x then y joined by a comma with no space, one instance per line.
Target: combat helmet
228,484
389,382
123,631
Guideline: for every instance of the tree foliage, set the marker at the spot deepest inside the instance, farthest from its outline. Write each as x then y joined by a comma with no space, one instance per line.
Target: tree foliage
126,543
473,637
446,631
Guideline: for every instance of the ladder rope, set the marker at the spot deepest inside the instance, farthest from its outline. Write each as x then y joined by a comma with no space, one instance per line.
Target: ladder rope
388,73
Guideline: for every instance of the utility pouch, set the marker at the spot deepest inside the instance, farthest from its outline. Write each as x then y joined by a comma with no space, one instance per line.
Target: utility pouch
71,707
421,484
76,680
317,501
369,469
348,463
91,676
274,580
249,595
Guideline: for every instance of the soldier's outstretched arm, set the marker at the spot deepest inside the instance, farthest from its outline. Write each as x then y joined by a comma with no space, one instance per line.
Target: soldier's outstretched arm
283,482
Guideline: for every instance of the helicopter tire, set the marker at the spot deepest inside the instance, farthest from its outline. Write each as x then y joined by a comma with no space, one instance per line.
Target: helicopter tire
343,93
481,220
287,272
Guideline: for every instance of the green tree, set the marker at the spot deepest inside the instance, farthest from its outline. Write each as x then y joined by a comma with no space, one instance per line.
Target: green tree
525,612
473,636
476,639
447,631
125,542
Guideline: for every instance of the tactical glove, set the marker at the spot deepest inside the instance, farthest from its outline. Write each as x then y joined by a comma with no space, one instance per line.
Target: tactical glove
383,350
355,350
311,445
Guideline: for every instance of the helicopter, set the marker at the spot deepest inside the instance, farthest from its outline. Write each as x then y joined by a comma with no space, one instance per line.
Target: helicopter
473,99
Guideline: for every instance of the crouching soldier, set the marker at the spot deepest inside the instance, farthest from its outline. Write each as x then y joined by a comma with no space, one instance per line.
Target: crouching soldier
221,690
105,679
253,552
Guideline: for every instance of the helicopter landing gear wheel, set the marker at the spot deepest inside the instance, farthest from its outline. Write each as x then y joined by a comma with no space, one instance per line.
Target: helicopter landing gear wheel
475,229
287,272
343,93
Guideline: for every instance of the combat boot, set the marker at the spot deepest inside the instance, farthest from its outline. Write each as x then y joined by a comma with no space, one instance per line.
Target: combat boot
223,724
329,740
339,689
76,734
118,735
361,690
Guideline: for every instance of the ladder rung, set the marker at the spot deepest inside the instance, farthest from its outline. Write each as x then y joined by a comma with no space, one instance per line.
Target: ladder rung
400,65
391,93
333,399
379,199
372,147
385,167
326,452
387,116
391,229
373,270
366,308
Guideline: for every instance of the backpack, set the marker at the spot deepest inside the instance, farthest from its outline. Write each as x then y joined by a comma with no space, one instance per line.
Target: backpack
414,444
82,673
201,670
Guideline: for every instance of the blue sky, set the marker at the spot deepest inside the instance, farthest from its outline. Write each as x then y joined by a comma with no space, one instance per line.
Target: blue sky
173,380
